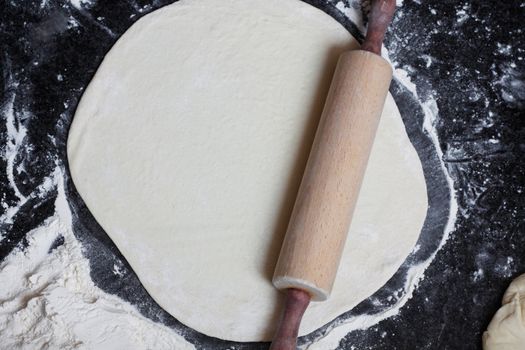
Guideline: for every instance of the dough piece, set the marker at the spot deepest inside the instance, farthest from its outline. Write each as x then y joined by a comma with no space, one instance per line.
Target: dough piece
506,331
189,145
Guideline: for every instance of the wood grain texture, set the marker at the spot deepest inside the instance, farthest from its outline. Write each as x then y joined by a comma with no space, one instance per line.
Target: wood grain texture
321,217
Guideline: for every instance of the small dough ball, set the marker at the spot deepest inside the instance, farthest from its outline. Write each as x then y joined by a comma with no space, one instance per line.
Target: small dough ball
506,331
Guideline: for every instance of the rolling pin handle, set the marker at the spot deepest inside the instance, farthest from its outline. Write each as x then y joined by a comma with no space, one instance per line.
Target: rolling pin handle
296,303
380,16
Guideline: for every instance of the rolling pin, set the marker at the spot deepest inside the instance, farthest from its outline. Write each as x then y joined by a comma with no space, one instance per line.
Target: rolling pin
321,216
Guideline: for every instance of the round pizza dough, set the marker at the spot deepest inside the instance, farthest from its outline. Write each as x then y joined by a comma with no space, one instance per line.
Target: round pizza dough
506,331
188,147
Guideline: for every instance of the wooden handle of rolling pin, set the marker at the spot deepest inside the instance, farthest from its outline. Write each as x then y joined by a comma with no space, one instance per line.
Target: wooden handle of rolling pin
321,217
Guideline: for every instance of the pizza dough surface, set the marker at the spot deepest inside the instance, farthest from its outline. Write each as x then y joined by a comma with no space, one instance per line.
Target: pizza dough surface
188,147
506,331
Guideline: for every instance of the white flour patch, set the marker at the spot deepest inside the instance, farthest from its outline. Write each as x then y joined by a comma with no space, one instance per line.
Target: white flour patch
79,4
16,133
510,83
51,302
84,6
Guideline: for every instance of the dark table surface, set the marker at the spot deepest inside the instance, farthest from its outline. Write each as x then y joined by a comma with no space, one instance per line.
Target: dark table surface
467,61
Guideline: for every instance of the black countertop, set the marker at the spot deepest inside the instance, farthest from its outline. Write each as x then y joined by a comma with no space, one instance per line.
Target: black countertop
466,59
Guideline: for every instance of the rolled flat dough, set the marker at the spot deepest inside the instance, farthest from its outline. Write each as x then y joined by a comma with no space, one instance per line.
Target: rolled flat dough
188,147
506,331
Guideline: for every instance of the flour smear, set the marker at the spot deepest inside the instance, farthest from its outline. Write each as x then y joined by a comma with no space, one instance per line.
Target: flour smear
52,303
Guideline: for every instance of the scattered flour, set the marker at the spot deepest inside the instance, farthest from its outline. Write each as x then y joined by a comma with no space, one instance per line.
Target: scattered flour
16,133
51,302
79,4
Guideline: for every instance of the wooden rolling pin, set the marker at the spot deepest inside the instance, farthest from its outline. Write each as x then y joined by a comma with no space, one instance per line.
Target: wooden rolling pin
321,217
